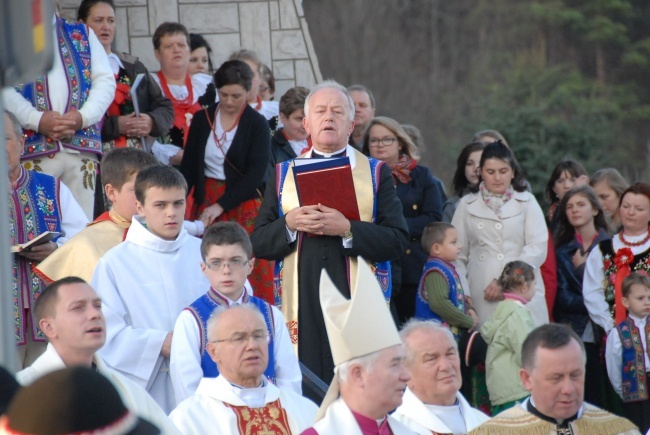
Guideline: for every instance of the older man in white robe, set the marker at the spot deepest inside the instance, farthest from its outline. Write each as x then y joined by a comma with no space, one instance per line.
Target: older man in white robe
370,373
70,316
241,400
432,402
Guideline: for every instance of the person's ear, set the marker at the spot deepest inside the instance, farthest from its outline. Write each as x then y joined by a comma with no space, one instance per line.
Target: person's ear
526,379
48,328
140,208
626,302
110,192
251,265
211,348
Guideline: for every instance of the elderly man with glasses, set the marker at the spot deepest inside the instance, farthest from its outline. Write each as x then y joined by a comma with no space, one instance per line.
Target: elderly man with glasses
241,399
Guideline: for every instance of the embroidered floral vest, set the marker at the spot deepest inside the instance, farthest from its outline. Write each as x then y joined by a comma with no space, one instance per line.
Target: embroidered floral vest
456,293
633,367
641,262
74,49
33,209
203,307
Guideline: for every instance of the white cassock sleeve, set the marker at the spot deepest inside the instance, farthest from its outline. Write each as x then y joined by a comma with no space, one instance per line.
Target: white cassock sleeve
614,360
593,291
185,360
133,351
287,369
73,218
102,89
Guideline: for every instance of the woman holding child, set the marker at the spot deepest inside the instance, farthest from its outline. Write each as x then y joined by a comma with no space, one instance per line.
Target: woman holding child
499,223
225,160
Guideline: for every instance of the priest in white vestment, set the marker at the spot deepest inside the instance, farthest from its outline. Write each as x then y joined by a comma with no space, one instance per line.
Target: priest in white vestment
432,403
146,281
241,400
370,372
69,313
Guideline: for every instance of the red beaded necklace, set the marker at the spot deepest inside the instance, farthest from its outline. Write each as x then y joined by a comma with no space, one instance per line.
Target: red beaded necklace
220,141
639,243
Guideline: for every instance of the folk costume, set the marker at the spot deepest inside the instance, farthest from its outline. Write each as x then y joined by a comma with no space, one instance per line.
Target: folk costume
185,101
190,362
493,231
80,79
356,327
440,296
221,407
426,419
422,196
379,236
151,101
605,269
525,419
228,168
80,255
628,366
145,282
38,203
134,396
505,332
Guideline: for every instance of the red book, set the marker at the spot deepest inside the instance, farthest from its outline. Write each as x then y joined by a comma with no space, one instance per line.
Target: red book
328,182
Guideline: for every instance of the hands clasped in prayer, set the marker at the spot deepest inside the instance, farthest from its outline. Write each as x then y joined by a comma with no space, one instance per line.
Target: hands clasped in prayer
318,219
135,126
57,126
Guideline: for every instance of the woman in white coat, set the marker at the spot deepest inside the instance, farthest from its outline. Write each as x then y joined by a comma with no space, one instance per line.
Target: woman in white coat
500,223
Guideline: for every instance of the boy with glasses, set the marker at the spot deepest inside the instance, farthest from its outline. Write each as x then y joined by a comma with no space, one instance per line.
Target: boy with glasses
226,252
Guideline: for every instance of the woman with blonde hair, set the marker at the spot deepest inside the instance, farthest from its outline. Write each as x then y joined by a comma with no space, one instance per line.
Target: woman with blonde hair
422,196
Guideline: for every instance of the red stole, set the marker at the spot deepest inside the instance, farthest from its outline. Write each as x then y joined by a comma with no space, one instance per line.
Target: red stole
269,420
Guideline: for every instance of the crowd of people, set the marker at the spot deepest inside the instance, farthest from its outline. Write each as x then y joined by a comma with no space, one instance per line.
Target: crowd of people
186,265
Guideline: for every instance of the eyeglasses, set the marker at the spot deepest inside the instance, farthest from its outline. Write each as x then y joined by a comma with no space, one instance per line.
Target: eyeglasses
235,264
264,88
240,338
385,141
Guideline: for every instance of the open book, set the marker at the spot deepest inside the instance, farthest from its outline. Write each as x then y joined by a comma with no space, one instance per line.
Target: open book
38,240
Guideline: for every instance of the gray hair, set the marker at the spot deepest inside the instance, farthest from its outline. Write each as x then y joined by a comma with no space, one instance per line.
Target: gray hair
330,84
213,322
362,88
365,361
414,325
15,124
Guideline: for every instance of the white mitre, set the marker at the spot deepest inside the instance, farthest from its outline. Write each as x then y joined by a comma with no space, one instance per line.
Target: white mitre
357,326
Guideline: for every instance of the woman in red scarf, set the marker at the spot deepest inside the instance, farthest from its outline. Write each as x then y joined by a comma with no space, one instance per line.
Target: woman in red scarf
225,161
422,196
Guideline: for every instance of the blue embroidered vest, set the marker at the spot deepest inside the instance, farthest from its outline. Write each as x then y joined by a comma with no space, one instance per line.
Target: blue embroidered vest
456,293
203,307
74,49
382,269
634,354
33,209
